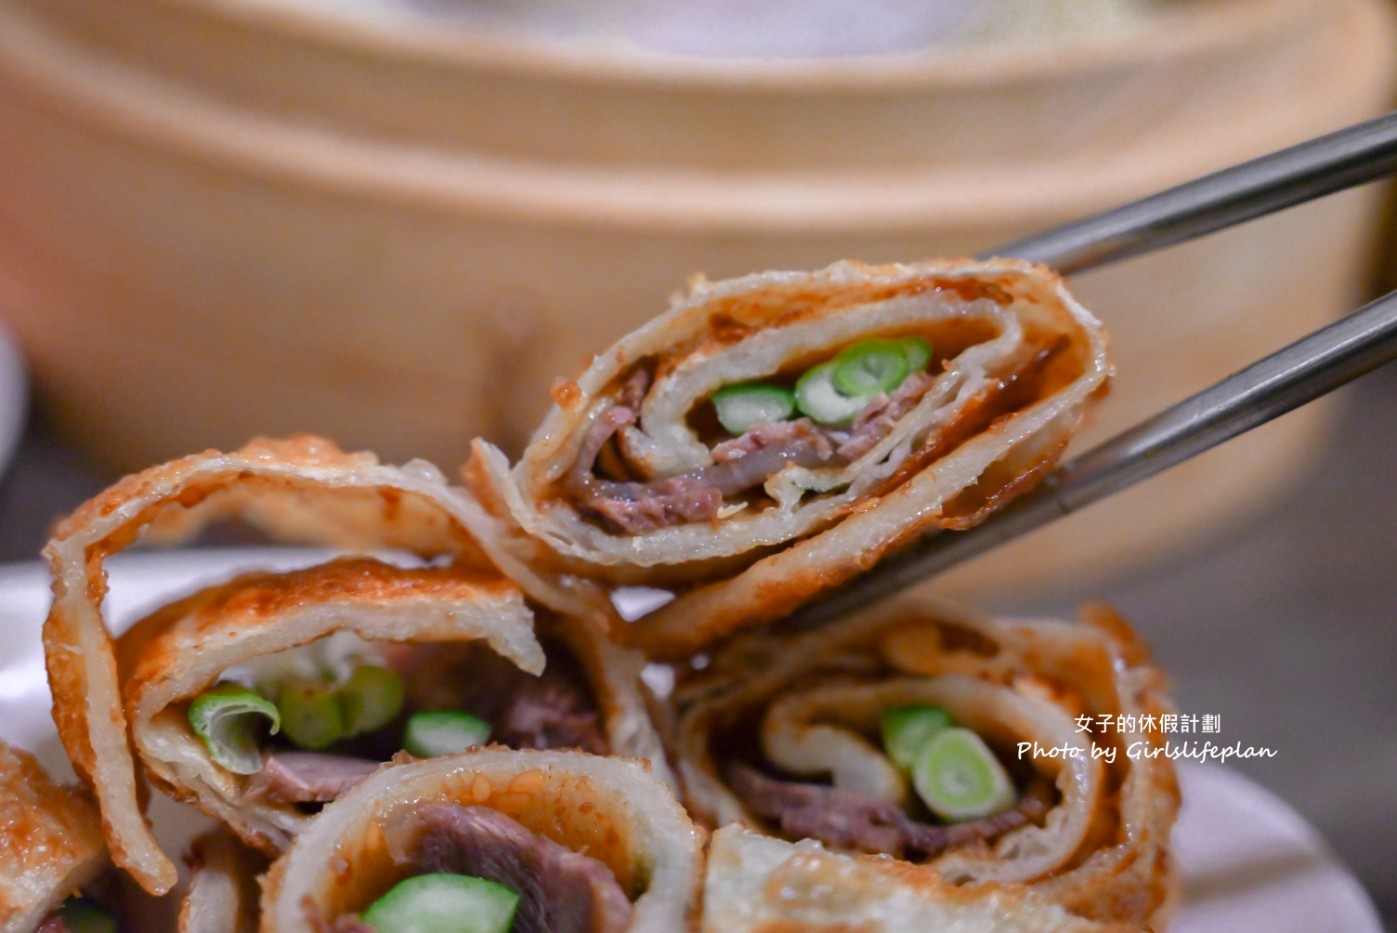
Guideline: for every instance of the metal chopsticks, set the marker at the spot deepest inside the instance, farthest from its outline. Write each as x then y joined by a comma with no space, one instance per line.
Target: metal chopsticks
1285,380
1361,153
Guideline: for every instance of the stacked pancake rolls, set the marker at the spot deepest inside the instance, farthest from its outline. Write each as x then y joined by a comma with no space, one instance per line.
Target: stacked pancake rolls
439,716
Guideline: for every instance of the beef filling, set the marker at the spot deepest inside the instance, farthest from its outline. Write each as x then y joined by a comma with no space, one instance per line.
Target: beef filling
553,710
740,465
560,891
627,506
843,819
308,777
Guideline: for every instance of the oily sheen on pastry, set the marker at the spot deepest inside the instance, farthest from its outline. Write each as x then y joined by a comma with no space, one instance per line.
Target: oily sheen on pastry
301,489
770,436
787,736
50,842
588,843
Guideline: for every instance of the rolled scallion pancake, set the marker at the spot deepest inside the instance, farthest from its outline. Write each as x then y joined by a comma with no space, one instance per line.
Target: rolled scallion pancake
50,843
978,750
772,435
583,842
433,654
304,488
270,640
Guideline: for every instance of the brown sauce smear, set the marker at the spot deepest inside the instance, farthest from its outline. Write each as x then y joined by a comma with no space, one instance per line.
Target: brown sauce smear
996,486
731,319
1004,397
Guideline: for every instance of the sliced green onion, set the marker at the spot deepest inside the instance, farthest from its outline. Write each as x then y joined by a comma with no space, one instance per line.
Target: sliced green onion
229,718
917,350
907,730
817,397
869,367
82,916
747,404
443,732
959,778
444,902
370,699
311,716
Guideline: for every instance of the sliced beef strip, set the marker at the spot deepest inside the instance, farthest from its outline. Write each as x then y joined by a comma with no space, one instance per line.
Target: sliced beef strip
764,437
469,677
877,420
561,891
546,712
743,463
635,507
846,820
553,710
581,479
634,388
749,460
632,506
307,777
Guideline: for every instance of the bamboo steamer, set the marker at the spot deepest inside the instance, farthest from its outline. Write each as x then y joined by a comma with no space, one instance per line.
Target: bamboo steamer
220,218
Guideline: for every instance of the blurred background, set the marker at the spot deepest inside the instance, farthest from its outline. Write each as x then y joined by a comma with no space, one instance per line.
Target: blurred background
395,222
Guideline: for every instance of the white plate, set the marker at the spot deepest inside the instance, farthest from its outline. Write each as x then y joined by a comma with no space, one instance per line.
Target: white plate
1248,861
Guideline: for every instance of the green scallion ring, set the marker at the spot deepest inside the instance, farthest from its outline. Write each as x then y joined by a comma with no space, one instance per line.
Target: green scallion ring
443,732
444,901
918,353
908,729
818,398
869,367
229,718
747,404
371,698
311,715
959,778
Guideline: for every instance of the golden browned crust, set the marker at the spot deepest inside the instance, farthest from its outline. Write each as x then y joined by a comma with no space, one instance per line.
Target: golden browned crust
543,574
259,600
410,509
302,488
612,809
50,841
1020,364
1104,851
182,648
